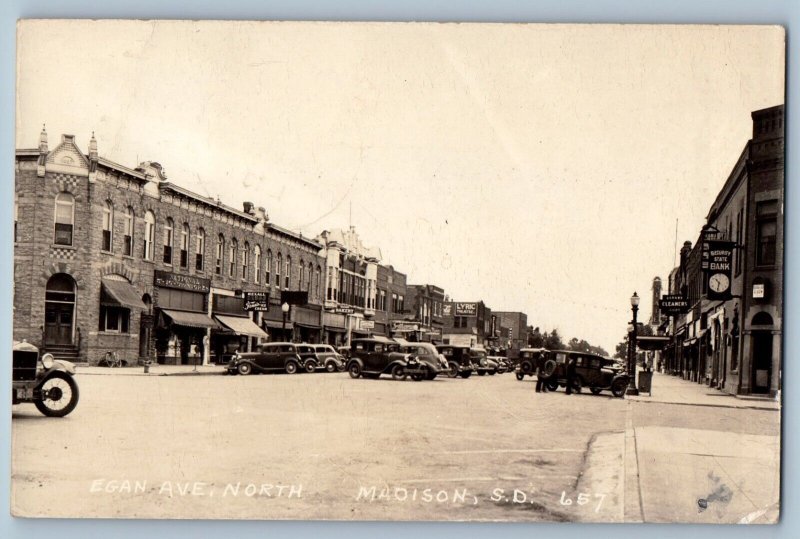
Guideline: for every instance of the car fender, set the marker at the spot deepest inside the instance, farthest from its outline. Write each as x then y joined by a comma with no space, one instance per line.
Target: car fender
61,365
355,360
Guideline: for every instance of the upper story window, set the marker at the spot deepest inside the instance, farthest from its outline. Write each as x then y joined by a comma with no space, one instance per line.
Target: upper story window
257,265
232,257
169,231
268,267
245,260
288,276
108,226
278,264
200,249
766,232
185,246
302,275
149,235
309,278
219,253
64,219
318,277
127,244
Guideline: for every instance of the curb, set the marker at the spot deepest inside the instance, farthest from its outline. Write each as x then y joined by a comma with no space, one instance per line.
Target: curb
745,407
118,373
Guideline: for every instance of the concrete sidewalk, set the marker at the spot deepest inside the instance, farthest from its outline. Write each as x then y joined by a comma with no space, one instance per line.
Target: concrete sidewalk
674,390
155,370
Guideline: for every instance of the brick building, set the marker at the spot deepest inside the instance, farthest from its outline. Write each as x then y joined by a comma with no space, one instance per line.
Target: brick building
391,307
516,335
735,344
110,258
425,303
467,323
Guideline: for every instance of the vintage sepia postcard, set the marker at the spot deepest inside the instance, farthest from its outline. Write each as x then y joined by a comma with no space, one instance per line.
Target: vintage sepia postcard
398,271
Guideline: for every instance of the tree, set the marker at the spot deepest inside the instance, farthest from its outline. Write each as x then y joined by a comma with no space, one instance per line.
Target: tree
553,340
535,338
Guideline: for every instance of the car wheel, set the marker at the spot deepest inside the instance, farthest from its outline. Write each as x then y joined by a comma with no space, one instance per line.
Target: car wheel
492,373
465,375
526,367
58,395
595,390
453,372
398,373
291,367
310,367
552,386
481,373
520,376
330,367
431,375
618,388
354,369
244,368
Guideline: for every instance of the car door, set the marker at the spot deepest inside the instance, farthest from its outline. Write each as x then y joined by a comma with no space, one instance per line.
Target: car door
261,360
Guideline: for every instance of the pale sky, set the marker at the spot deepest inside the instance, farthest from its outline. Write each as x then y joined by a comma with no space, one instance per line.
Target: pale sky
539,168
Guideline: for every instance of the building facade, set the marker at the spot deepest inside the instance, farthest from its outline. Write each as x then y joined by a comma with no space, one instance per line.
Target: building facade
515,335
115,259
735,344
426,302
467,323
391,305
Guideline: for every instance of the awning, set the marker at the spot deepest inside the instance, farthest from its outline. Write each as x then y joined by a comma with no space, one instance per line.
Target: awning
307,326
120,293
360,331
652,342
241,325
190,319
277,325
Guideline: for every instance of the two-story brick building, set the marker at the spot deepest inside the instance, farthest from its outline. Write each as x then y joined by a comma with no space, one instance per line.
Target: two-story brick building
116,259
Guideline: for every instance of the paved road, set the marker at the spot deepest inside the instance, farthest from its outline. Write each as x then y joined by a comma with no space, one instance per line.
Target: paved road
323,446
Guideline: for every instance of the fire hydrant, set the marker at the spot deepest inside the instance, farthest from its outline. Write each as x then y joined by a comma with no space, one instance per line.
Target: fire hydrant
147,366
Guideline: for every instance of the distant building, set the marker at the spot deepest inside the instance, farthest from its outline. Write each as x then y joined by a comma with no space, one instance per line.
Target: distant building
467,323
392,314
426,302
516,324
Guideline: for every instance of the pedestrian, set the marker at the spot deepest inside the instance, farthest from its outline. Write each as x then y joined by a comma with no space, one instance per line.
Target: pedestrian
541,386
570,368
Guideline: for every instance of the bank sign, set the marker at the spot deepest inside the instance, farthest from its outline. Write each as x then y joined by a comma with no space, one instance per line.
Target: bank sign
717,262
465,309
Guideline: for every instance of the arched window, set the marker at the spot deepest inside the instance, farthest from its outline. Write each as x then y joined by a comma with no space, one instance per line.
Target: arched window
245,260
302,274
278,265
234,245
185,246
257,265
65,219
127,248
149,234
219,254
288,276
318,277
268,268
310,275
200,249
761,319
108,226
169,231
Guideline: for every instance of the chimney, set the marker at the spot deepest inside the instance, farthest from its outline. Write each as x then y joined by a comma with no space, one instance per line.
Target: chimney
93,148
261,213
43,141
248,208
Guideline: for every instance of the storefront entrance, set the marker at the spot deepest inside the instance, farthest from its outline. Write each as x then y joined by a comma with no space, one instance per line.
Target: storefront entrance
762,361
59,310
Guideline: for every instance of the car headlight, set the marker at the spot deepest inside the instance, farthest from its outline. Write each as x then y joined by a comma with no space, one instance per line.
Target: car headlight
48,361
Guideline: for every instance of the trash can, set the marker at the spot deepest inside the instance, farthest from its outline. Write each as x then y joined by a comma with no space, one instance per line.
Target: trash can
646,381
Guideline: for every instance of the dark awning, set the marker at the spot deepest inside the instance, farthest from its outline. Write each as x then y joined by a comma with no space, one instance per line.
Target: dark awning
191,319
277,325
652,342
120,293
241,325
307,326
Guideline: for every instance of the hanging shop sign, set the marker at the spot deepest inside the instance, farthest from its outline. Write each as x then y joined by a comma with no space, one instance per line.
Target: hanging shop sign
673,304
718,273
294,297
256,301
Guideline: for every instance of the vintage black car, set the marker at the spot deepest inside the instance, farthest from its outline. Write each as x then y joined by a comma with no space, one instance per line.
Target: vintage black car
527,361
598,373
270,357
44,381
458,359
328,358
502,363
373,356
428,355
482,362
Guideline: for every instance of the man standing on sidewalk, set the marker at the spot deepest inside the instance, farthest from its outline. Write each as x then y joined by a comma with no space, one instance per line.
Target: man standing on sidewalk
541,386
570,368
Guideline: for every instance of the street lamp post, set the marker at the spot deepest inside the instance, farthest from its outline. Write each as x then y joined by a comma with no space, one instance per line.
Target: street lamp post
632,348
285,309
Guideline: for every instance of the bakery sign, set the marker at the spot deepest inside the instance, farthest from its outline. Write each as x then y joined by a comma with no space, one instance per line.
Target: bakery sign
165,279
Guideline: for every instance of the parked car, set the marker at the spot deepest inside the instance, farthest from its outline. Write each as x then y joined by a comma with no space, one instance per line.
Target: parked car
598,373
502,363
308,358
483,365
270,357
46,382
328,358
526,363
458,358
344,351
427,354
370,357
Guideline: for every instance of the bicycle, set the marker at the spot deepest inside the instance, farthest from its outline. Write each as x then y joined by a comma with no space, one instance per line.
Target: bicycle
113,360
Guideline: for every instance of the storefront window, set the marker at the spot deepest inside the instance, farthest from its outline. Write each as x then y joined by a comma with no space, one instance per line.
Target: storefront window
232,257
114,319
257,265
64,219
185,246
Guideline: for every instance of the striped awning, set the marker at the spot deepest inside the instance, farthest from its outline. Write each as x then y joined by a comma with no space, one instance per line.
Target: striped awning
241,326
122,293
190,319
